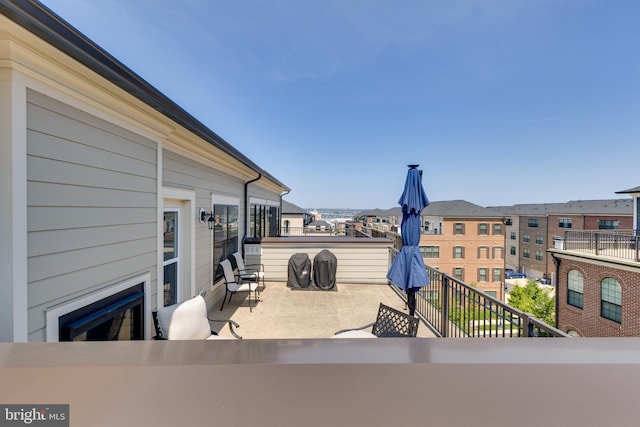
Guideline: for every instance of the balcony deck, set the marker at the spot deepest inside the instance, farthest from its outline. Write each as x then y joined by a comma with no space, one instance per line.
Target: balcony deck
284,313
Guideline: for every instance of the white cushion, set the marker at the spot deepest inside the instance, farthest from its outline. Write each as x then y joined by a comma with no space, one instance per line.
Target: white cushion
185,321
354,334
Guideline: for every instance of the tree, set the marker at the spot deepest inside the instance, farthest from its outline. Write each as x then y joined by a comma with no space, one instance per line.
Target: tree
535,300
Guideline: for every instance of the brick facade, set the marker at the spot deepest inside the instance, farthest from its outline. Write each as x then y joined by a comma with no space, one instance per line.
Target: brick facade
479,251
588,322
553,229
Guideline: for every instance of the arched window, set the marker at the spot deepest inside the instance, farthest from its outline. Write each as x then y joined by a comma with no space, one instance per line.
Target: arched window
611,299
575,289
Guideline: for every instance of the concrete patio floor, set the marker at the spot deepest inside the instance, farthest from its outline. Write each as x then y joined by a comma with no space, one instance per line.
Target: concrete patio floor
286,313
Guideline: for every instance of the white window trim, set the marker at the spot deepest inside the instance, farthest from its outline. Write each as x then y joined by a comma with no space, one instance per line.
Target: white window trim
54,314
188,229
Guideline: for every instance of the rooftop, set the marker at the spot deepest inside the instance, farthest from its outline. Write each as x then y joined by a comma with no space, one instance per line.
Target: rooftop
284,313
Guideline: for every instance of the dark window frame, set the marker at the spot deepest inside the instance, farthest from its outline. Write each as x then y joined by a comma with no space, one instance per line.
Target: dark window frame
455,253
430,251
565,222
225,235
458,229
575,297
610,309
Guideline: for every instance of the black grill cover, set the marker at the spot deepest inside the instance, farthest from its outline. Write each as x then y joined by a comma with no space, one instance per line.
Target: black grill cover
325,265
299,275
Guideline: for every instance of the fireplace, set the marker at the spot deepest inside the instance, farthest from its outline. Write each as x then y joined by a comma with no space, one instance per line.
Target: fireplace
116,317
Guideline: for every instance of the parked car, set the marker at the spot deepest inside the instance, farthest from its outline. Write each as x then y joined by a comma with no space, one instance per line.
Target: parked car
514,275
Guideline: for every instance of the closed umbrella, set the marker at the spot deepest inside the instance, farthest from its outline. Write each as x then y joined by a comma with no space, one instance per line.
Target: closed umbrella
408,271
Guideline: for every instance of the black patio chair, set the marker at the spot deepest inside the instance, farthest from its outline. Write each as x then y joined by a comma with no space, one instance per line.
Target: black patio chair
390,323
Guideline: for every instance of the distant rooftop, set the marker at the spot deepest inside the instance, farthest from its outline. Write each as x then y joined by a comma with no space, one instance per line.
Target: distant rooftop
451,208
630,190
290,208
603,207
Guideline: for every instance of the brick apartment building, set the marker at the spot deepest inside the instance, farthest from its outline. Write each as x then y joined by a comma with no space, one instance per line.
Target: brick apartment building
532,228
459,238
598,286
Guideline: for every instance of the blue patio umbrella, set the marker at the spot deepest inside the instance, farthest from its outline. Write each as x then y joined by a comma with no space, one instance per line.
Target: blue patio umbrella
408,271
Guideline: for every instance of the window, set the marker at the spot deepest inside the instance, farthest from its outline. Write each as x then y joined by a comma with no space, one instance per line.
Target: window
458,252
483,229
508,221
575,289
513,235
430,251
118,317
225,235
512,250
611,299
458,273
491,293
526,253
497,252
458,228
608,224
539,256
264,220
526,238
483,252
533,222
171,260
539,240
565,222
482,274
497,275
497,229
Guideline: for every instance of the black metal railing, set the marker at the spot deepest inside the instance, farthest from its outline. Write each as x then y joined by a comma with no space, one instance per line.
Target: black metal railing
454,309
310,231
618,244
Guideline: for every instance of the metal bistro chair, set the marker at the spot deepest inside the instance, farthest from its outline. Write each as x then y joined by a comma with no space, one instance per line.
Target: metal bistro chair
233,284
187,321
390,323
249,272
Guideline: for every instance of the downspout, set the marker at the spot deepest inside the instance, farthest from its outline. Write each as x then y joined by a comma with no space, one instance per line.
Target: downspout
280,219
246,205
556,261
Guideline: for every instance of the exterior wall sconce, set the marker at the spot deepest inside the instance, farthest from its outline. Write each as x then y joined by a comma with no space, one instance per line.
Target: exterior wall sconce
208,217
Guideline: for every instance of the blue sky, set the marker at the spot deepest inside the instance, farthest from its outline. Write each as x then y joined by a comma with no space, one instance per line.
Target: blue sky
500,102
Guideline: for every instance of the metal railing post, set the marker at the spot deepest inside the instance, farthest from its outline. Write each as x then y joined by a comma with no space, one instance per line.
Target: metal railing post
445,307
527,327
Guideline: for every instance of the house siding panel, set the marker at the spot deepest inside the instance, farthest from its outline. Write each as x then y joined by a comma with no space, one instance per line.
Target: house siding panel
91,210
356,263
181,172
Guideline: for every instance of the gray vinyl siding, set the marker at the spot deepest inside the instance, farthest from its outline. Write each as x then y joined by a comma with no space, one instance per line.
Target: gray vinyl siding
261,193
91,206
180,172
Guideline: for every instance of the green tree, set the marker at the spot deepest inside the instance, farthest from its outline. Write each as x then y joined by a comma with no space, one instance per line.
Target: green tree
535,300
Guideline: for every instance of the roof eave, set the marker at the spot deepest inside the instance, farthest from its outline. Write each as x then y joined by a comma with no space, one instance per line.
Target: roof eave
44,23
